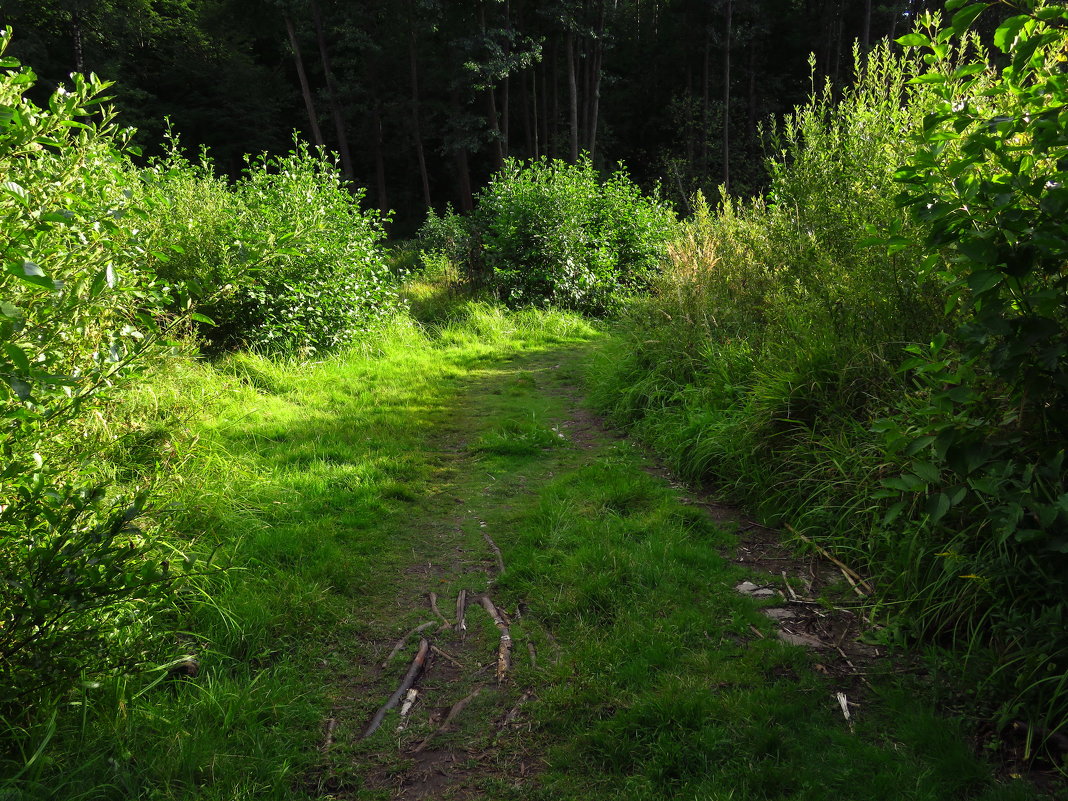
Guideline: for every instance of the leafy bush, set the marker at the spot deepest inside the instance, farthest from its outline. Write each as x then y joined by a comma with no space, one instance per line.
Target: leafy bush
81,314
285,261
552,232
983,436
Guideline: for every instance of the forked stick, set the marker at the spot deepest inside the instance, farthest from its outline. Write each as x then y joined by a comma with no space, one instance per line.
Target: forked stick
404,639
436,611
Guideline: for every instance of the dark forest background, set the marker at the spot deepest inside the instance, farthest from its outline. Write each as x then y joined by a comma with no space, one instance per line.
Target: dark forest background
421,100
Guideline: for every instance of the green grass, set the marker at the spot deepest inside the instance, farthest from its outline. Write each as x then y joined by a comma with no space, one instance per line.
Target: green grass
337,494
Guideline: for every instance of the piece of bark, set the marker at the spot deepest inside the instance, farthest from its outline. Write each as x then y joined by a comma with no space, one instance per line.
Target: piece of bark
436,611
456,709
496,552
461,610
406,707
504,652
404,639
409,679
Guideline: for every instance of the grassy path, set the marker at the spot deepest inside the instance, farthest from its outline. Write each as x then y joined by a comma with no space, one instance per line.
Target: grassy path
347,492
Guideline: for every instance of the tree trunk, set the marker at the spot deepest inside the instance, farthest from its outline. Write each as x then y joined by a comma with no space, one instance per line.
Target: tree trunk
463,168
379,156
332,94
76,36
529,126
595,90
496,144
866,36
727,101
417,134
505,85
573,96
552,121
309,104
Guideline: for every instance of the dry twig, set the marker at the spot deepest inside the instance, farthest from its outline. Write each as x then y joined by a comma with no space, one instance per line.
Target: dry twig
409,679
461,611
452,659
504,652
457,708
404,639
496,552
328,738
533,655
436,611
852,576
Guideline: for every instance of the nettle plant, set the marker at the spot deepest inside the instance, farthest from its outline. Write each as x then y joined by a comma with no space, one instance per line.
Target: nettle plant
985,441
80,312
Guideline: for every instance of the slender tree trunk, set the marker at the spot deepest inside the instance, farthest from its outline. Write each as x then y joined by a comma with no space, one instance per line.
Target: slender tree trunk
417,134
463,168
553,121
595,92
706,116
505,84
379,156
332,94
572,97
76,36
491,114
309,104
727,100
866,36
529,129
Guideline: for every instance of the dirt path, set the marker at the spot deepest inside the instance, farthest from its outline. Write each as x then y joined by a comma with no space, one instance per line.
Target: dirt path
480,661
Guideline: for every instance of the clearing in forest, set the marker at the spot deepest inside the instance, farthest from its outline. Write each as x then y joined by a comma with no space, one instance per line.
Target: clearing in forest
442,506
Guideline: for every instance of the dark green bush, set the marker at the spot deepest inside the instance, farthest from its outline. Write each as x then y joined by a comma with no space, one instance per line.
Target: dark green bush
285,260
555,233
81,314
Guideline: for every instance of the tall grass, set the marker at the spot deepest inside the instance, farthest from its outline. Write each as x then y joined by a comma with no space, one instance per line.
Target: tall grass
772,349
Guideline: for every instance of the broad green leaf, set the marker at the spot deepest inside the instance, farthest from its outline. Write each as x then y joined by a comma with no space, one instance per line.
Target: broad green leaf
1006,34
963,18
913,40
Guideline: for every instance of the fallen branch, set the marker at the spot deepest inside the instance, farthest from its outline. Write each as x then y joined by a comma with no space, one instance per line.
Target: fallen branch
843,703
496,551
461,611
328,738
789,589
406,707
452,659
436,611
852,576
409,679
512,713
504,652
404,639
457,708
533,655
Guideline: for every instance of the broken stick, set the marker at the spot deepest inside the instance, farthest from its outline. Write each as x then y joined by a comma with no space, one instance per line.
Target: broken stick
496,551
452,659
851,575
436,611
328,738
406,707
409,679
504,652
533,655
461,610
404,639
457,708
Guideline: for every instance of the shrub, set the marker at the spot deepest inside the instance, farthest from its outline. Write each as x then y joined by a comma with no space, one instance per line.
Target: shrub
552,232
284,261
81,314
